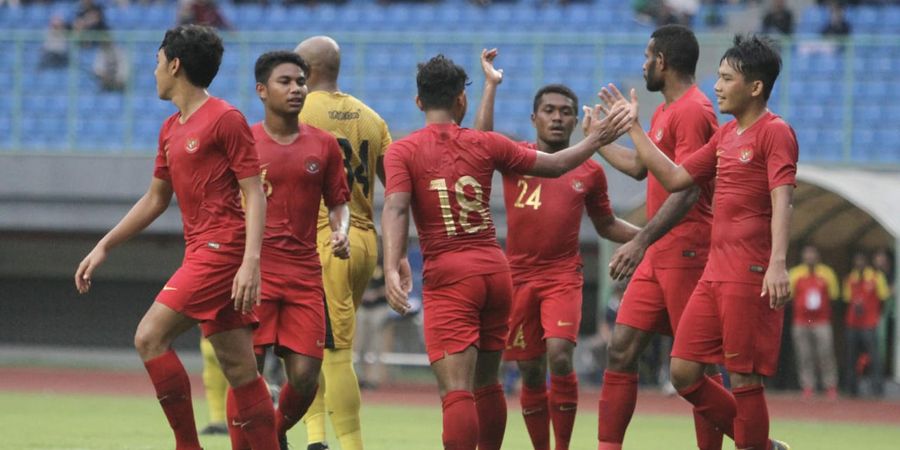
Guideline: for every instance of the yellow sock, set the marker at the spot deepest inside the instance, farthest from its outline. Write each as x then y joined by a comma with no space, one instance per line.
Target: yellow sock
342,399
214,383
315,415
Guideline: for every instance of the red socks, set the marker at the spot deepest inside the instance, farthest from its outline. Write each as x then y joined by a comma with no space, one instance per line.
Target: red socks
563,405
238,440
537,417
291,408
173,389
256,414
751,426
617,400
460,421
491,405
712,401
708,436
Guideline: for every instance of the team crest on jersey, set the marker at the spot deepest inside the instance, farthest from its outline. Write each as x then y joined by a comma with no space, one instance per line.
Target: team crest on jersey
313,165
578,185
191,145
745,155
658,135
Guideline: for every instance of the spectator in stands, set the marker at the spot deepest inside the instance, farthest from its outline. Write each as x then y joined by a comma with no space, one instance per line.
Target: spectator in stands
111,67
90,18
837,24
370,323
202,12
865,289
883,261
55,51
778,19
814,286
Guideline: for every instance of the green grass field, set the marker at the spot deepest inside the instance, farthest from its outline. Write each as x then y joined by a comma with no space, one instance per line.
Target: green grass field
57,422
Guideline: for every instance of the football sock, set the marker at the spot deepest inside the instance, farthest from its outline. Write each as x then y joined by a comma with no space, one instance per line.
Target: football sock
291,407
712,401
342,398
491,405
235,433
563,406
460,421
214,383
535,411
618,397
751,426
173,389
257,416
315,415
708,436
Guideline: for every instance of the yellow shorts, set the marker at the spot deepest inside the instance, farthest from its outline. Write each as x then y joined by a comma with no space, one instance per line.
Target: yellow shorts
345,281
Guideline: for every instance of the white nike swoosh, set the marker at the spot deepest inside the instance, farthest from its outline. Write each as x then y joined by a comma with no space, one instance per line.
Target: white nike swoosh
169,288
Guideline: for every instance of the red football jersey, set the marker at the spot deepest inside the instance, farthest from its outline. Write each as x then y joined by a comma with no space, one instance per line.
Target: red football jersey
296,177
747,167
448,171
203,159
550,208
680,129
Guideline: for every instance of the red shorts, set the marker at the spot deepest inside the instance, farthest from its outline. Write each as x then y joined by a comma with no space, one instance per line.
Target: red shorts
656,298
729,322
472,311
201,290
543,309
291,315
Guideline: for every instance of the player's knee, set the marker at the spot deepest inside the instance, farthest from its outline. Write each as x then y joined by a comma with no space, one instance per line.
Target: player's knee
149,345
560,363
621,357
533,375
684,374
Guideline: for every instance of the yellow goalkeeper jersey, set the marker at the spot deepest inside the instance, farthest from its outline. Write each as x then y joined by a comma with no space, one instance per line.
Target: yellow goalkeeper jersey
363,137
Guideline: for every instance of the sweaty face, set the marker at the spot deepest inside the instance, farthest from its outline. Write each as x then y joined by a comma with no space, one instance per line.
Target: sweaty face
652,77
285,91
733,92
555,118
164,79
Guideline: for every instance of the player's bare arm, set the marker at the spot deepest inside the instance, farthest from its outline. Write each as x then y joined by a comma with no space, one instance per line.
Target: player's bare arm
672,177
776,282
150,206
601,132
379,170
627,257
339,221
395,231
245,289
622,158
484,118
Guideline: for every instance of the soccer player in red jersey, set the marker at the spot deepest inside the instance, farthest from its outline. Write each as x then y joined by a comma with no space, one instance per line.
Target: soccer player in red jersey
735,315
301,165
444,172
206,157
670,252
546,273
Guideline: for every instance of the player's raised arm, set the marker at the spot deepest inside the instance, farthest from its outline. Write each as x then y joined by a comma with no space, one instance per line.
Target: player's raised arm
673,177
616,122
150,206
776,282
245,290
622,158
339,221
484,118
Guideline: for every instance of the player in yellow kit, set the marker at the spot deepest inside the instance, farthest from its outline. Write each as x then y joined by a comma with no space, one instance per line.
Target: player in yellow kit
363,137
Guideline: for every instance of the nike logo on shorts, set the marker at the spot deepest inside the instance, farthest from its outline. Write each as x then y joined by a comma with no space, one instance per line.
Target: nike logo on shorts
169,288
564,324
731,355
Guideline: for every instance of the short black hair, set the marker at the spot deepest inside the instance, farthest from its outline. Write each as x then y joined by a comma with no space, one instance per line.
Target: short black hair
757,58
267,62
679,46
555,89
439,82
200,50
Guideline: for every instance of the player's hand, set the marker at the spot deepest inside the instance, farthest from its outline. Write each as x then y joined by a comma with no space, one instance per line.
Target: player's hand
86,268
245,290
398,285
777,285
340,245
607,129
611,96
625,259
491,75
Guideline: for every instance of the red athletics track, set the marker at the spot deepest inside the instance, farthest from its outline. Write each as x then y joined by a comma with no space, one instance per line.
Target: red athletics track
786,406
